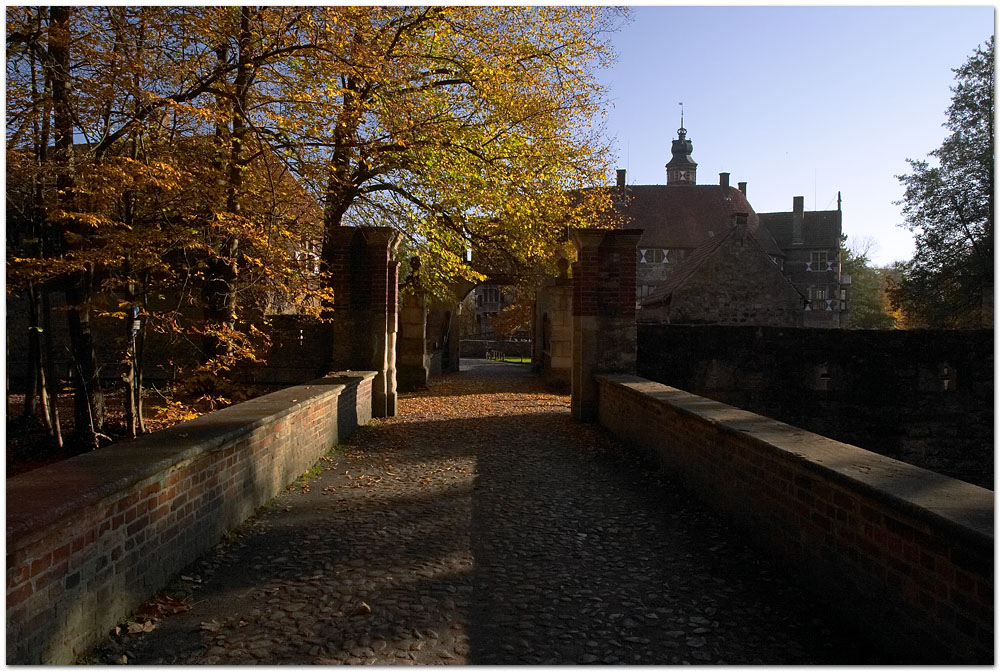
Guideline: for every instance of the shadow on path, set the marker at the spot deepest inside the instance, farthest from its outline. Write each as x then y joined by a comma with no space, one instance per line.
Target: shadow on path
483,526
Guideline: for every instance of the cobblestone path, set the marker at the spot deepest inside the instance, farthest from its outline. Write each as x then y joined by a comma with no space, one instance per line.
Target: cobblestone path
482,525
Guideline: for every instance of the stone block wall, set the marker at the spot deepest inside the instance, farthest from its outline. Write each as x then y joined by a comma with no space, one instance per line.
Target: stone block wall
738,284
905,553
552,338
92,537
413,361
924,397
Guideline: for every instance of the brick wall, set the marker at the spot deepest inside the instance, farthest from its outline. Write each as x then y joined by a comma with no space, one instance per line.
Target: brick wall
90,538
905,553
924,397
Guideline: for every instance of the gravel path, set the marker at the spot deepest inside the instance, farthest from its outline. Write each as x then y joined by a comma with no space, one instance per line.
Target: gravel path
480,526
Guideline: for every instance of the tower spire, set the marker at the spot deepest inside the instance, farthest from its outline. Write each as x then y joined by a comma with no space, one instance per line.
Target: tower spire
681,170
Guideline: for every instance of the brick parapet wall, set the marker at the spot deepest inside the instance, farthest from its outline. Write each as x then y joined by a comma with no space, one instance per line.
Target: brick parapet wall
90,538
905,553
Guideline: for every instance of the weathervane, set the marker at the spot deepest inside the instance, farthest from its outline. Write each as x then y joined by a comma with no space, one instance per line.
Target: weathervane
682,114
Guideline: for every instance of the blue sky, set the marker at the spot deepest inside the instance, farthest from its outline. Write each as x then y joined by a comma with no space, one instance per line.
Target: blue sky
795,101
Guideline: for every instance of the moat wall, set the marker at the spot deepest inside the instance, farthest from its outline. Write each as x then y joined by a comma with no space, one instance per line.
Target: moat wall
904,552
923,397
92,537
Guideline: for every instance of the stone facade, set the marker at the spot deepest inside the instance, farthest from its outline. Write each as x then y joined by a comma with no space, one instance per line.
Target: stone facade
811,245
730,280
488,300
552,340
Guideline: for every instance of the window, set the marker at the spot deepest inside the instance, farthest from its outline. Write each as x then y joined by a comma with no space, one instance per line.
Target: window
818,262
644,290
653,255
817,293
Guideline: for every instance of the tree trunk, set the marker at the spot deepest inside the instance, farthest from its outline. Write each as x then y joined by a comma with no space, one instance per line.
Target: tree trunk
88,402
89,398
34,356
219,293
51,378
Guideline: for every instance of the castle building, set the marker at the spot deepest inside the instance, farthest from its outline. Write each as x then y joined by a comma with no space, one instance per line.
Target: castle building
706,256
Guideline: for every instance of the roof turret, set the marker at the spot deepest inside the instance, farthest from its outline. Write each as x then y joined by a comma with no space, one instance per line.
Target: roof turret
681,169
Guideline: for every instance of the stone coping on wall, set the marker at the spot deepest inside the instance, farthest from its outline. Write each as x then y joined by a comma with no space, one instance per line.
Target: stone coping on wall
91,537
39,498
965,508
904,552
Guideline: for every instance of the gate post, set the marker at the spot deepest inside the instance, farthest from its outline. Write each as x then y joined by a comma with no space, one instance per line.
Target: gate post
604,333
414,368
364,306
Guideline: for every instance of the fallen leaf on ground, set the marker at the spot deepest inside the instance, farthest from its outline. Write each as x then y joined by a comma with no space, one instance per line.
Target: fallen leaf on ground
141,627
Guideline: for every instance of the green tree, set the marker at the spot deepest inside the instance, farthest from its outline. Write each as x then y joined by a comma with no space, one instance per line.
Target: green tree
868,307
949,207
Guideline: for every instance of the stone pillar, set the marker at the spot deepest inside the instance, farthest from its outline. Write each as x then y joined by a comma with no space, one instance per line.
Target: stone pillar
413,359
364,306
414,367
604,334
552,342
392,327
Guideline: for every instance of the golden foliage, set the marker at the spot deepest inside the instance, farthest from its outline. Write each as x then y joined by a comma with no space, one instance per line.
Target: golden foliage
219,142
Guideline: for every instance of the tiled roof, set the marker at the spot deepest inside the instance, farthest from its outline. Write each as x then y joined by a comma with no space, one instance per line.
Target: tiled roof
819,228
680,217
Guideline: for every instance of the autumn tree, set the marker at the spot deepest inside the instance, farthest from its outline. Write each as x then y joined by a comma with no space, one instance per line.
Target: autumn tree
949,207
182,151
144,184
463,127
868,306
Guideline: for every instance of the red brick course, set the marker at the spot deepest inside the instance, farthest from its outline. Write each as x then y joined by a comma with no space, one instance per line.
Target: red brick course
905,552
123,520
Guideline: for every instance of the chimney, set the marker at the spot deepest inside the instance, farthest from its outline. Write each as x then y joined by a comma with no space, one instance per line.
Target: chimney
724,180
743,188
797,217
621,184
